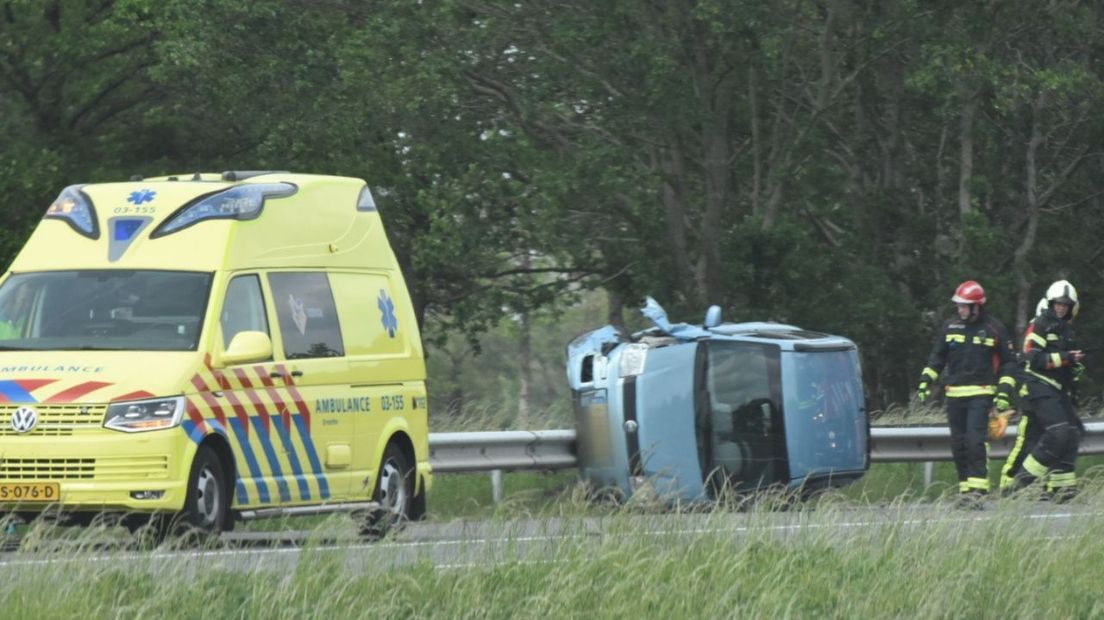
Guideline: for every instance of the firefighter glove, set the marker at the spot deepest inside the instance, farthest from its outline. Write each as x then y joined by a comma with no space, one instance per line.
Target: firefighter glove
1078,371
1001,403
923,392
998,424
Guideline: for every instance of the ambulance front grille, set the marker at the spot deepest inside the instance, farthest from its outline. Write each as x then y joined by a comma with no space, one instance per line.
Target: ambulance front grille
105,468
55,420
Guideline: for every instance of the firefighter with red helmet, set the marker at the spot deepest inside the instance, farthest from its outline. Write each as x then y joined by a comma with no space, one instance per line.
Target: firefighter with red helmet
1053,365
977,360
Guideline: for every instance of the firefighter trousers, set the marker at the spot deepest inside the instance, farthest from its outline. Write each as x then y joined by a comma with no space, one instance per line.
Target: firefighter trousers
1026,440
968,419
1055,454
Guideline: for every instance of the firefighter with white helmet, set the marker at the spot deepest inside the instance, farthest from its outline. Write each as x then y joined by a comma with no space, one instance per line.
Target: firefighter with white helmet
977,360
1052,366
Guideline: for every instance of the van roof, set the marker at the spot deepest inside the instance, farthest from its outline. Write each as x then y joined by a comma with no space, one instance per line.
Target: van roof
210,221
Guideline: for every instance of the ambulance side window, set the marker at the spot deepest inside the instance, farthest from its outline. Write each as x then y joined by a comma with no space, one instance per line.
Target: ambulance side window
243,309
307,315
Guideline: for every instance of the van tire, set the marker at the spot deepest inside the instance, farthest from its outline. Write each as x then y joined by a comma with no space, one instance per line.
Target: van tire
207,501
394,493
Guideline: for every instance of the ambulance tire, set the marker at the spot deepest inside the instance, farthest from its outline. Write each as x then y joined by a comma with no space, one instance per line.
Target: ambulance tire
207,501
394,493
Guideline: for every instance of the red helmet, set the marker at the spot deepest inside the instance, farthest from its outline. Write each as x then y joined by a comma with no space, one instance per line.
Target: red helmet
969,292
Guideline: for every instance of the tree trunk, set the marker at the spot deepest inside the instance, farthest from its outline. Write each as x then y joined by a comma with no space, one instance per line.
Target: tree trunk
966,152
674,208
525,369
1031,191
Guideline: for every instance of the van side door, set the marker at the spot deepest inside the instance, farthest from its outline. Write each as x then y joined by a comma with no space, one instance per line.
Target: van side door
310,367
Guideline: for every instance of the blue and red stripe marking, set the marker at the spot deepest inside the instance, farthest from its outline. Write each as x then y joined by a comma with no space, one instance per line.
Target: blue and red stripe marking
303,422
21,391
262,426
242,435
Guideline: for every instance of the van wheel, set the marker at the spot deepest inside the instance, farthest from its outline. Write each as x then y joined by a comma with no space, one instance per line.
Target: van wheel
394,493
207,501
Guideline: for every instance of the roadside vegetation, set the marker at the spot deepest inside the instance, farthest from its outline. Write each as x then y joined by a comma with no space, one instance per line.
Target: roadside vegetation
834,558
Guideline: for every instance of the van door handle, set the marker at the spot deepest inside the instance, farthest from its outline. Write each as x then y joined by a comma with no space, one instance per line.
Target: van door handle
280,375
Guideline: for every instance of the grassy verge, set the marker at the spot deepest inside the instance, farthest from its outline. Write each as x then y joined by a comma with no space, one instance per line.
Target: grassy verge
934,564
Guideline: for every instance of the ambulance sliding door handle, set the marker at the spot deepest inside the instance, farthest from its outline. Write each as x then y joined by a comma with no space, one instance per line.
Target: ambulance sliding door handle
280,375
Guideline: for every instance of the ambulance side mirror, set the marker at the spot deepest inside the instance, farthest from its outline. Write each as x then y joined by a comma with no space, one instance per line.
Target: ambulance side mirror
247,347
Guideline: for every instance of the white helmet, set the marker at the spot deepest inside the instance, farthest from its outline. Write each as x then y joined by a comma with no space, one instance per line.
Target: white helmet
1063,292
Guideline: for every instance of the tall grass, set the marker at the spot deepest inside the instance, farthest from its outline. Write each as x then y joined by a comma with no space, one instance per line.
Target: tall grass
836,558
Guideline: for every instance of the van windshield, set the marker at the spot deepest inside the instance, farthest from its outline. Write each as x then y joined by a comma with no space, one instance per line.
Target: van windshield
104,310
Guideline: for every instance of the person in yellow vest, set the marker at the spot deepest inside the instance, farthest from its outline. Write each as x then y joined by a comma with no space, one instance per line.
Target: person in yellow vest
15,309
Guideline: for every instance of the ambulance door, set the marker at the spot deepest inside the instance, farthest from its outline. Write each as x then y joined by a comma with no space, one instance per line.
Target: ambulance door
311,374
252,408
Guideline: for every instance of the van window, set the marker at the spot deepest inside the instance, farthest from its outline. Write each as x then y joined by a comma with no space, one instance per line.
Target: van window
306,313
243,309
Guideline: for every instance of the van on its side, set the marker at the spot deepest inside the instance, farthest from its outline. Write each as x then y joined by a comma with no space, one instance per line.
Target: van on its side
692,413
211,347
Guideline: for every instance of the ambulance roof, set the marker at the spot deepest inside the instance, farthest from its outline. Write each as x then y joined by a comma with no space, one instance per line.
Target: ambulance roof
206,222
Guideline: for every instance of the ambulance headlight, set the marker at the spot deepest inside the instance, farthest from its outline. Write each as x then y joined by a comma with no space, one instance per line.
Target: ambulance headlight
632,359
75,208
243,202
135,416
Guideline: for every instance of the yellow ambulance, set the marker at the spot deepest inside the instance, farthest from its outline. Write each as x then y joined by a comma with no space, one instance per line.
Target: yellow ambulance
211,347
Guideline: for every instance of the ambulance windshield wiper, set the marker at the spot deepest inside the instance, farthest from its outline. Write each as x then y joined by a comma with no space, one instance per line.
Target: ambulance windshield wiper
88,347
7,348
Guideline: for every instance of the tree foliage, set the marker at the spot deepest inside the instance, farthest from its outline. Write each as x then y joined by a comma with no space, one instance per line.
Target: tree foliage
840,164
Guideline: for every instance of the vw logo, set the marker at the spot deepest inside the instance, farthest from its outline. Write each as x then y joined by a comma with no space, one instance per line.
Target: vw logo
24,419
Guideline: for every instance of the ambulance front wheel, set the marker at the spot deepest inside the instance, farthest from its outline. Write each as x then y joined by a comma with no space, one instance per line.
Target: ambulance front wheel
208,498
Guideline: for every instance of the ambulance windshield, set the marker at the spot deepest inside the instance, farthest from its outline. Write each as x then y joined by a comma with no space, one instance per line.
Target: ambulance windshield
111,310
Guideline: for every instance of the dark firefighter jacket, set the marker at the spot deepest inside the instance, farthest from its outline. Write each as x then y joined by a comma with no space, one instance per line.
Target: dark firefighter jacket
1047,346
976,357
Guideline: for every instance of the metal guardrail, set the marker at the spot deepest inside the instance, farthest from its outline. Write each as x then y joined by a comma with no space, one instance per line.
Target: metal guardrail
506,450
551,450
898,444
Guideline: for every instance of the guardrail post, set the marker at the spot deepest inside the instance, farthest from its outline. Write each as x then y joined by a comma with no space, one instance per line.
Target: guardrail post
929,473
496,485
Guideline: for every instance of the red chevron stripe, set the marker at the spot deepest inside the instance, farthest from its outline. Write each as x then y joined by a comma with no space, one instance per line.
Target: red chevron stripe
221,378
195,416
264,374
289,383
239,410
278,402
75,392
133,396
209,398
255,398
33,384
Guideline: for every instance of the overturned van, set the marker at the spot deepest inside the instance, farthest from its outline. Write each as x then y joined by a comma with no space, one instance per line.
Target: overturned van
210,347
691,411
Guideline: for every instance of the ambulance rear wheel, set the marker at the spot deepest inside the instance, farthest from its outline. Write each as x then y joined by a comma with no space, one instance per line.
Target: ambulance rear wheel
394,493
207,501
